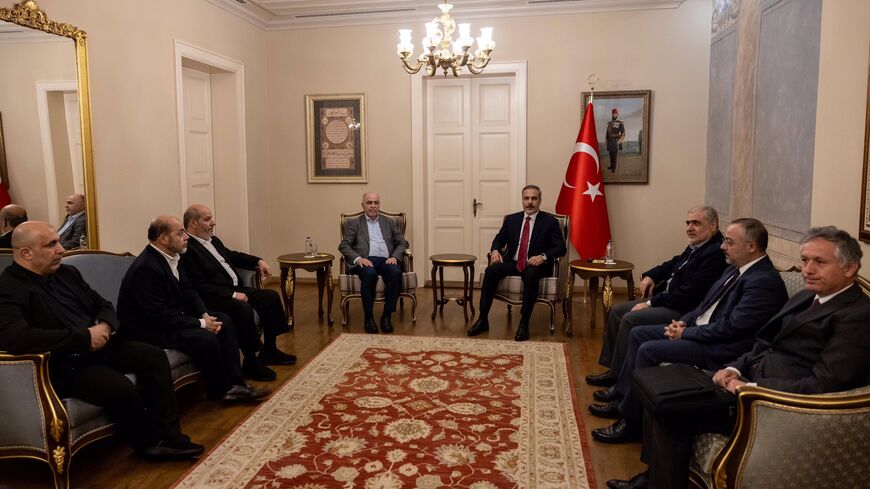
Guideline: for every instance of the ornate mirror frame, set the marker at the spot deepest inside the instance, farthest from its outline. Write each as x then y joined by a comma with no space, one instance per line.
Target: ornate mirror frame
28,14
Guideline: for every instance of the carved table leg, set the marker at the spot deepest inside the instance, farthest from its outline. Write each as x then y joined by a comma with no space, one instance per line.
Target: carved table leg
442,301
607,301
321,283
465,292
330,291
290,291
434,290
593,300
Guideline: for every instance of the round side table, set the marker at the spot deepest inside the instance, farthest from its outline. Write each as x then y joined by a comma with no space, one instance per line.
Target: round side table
322,264
587,270
453,260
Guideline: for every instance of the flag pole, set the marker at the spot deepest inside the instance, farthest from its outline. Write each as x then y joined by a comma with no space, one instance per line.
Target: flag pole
592,80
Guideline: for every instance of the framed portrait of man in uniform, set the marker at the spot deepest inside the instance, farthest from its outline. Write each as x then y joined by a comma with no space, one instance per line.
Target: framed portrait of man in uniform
335,138
622,127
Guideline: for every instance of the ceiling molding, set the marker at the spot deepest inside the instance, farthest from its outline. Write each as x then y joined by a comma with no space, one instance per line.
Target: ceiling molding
276,15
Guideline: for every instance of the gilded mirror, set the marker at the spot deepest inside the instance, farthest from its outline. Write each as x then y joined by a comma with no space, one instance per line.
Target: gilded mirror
45,105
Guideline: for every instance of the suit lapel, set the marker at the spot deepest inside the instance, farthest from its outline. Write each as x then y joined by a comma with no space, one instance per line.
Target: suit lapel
818,312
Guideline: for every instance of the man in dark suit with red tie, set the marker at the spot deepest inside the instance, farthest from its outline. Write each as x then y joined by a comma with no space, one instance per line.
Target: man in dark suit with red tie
526,245
818,342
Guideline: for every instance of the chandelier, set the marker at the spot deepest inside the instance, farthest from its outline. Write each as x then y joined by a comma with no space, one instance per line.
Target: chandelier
441,51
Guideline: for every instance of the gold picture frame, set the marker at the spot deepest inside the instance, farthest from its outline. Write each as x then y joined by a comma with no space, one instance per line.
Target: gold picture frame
4,172
631,141
335,139
864,227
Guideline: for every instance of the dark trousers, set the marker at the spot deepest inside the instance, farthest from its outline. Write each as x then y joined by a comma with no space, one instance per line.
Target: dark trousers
145,414
268,305
620,322
613,158
667,442
216,354
531,277
647,347
392,275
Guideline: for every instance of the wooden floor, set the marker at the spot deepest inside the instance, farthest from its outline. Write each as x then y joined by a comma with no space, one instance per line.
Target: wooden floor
111,464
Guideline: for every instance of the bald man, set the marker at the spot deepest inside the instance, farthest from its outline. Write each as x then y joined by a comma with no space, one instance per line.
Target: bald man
75,224
374,246
47,307
157,304
213,270
10,216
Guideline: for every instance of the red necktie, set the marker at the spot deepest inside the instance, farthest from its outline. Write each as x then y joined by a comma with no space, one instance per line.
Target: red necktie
522,256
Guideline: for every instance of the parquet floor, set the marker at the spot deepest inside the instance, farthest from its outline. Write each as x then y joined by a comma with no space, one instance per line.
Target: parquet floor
110,464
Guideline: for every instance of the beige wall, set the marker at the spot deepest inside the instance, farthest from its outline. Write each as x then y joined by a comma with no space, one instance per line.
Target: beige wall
132,69
840,122
666,51
23,65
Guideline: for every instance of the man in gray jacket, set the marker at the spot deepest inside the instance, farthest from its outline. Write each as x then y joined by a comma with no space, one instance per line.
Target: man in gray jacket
374,245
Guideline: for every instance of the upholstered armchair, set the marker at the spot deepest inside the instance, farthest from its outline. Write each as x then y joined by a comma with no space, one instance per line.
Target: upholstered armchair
551,290
789,440
349,284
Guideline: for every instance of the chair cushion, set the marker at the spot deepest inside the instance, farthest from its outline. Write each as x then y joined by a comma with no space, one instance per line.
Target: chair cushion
512,288
181,364
350,284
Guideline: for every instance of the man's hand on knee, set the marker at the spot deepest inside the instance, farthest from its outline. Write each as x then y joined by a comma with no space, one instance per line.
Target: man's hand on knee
365,263
640,306
392,261
495,257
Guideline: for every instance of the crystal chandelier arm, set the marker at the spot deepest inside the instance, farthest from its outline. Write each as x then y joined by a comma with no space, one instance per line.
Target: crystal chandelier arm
412,69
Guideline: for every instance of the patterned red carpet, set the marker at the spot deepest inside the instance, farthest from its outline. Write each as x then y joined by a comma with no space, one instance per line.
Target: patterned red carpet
389,412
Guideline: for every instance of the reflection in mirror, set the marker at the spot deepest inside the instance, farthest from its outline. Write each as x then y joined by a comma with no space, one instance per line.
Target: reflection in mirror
39,103
47,148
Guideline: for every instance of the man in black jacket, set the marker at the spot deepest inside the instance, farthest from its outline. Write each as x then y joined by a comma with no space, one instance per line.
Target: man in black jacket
818,342
48,307
668,291
526,245
157,304
213,270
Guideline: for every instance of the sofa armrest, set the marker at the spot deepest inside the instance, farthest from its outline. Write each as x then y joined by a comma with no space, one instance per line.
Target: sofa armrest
775,431
35,423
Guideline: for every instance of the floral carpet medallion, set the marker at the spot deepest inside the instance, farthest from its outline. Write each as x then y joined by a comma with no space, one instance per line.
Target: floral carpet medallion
390,412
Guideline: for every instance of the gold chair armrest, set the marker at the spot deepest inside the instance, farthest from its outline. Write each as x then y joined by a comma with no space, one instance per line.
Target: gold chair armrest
409,257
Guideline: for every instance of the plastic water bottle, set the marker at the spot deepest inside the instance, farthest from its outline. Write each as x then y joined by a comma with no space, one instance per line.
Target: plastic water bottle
310,248
83,241
608,254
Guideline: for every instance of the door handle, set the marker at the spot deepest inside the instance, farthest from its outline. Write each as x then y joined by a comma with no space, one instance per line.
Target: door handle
474,205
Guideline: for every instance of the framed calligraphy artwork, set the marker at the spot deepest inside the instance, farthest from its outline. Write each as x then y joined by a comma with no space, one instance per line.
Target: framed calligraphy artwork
335,138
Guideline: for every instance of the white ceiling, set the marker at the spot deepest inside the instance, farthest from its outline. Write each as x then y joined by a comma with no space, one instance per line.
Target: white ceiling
303,14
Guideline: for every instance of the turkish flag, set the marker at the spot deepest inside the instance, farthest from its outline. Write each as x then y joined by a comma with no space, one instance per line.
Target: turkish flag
582,195
4,195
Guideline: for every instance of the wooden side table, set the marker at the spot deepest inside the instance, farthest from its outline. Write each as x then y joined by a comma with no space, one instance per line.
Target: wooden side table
453,260
322,264
591,272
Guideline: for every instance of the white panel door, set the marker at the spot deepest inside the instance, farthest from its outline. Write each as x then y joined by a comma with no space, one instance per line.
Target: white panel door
198,137
471,156
74,135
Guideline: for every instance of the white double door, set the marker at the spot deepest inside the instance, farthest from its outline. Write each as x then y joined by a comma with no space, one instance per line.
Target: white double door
473,163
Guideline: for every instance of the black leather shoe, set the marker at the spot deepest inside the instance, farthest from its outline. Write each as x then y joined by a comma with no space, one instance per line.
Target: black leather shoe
522,332
601,380
178,447
479,326
621,431
253,368
386,324
606,410
274,356
371,326
640,481
607,395
245,393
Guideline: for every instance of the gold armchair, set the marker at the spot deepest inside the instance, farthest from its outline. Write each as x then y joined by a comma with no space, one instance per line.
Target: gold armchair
551,290
349,285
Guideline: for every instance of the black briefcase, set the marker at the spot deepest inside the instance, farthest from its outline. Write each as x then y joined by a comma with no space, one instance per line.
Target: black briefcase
677,388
